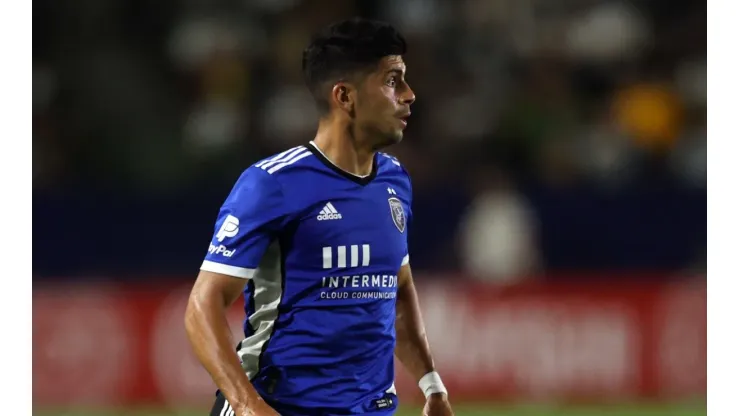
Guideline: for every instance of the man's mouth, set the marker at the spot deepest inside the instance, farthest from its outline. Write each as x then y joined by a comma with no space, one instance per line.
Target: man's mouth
404,118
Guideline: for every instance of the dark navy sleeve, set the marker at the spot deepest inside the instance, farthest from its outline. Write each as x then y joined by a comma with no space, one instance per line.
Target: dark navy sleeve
247,223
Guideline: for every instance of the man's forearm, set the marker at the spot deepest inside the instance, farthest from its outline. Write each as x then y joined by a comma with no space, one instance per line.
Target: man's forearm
210,337
412,347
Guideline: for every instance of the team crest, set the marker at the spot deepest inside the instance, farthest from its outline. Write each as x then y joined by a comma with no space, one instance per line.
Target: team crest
399,217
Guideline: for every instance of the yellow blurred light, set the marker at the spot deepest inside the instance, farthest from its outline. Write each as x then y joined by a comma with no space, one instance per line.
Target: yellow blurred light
651,114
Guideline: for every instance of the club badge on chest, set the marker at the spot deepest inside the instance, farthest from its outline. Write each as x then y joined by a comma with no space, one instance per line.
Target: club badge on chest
399,217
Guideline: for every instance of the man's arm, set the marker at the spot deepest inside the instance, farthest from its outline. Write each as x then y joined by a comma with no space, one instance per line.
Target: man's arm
211,339
412,347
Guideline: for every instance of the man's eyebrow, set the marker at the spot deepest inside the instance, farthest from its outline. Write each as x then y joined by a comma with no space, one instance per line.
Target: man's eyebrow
397,71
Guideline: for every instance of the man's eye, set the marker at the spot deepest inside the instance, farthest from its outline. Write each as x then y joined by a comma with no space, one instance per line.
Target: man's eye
391,82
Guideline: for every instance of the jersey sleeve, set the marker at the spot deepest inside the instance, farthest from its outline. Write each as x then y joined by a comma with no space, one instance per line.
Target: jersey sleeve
248,221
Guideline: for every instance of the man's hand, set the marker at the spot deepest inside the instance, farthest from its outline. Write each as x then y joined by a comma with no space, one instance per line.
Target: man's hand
438,405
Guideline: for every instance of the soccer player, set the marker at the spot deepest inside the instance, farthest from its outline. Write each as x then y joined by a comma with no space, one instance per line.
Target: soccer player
316,239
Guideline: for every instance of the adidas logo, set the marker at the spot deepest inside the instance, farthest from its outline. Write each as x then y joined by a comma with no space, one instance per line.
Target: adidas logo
329,213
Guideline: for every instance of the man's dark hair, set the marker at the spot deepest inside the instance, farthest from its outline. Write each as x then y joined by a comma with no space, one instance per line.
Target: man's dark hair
347,49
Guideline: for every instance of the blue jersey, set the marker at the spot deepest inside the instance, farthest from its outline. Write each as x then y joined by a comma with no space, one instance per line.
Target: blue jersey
321,249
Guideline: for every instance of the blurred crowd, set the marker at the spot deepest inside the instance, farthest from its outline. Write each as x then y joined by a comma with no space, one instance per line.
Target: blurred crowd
547,135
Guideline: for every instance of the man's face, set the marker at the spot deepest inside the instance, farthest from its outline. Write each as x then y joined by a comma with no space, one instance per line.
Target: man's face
384,102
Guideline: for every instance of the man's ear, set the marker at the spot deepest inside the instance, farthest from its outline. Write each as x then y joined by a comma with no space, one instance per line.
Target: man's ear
344,96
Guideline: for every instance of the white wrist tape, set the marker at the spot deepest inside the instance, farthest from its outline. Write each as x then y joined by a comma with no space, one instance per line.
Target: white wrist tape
431,383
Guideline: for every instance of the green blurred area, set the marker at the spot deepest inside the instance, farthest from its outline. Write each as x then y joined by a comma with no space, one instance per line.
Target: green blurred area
693,409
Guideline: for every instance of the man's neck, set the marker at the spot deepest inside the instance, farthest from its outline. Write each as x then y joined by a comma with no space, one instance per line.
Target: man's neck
344,151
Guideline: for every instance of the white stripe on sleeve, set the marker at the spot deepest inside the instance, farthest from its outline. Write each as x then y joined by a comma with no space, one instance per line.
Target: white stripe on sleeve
212,266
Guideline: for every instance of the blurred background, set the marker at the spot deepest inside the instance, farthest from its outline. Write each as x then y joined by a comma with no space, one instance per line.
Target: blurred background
557,149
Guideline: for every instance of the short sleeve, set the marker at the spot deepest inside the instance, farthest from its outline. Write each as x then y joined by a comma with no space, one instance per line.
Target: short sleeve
248,221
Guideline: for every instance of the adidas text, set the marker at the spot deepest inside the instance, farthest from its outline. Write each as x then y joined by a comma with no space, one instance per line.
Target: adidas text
329,213
324,217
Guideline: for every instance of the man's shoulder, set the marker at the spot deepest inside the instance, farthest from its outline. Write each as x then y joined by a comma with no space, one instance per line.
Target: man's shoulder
390,165
286,161
387,158
271,176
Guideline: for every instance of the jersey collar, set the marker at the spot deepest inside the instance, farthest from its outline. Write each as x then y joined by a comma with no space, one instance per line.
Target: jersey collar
360,180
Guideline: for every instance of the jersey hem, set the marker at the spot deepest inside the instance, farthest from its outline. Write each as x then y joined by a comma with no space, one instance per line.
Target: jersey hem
240,272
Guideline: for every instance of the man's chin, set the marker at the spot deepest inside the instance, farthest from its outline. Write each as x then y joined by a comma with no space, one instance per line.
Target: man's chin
396,137
390,140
